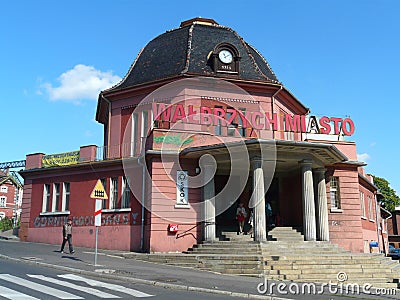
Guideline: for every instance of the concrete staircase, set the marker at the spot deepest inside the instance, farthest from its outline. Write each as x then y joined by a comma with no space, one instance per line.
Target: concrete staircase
288,257
285,256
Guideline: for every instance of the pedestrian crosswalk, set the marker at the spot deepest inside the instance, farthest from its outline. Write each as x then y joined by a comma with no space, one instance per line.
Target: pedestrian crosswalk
66,286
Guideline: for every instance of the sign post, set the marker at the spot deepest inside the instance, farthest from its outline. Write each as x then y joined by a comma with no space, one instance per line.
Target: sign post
99,194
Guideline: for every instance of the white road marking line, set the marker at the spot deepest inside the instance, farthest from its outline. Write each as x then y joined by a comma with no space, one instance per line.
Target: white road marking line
110,286
38,287
88,290
14,295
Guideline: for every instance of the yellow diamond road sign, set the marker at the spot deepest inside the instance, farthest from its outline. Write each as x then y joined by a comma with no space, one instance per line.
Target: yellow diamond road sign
99,192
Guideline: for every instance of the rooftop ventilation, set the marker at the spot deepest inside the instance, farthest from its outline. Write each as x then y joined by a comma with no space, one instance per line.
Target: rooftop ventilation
198,20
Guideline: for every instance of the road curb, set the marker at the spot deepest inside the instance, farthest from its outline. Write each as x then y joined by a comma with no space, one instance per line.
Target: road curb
113,276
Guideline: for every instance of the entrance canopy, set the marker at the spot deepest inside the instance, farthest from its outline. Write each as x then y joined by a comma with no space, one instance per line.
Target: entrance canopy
286,153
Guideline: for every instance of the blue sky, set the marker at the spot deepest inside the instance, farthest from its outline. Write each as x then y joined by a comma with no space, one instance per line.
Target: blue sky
340,58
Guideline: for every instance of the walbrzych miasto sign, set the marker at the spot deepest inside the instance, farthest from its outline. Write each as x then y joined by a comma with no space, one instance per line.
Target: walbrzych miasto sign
213,116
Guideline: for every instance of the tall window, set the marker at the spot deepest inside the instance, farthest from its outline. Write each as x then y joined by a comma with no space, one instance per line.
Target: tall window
335,195
56,197
231,127
3,201
46,198
362,200
242,130
126,194
145,128
145,123
65,198
370,208
218,126
135,137
104,202
114,193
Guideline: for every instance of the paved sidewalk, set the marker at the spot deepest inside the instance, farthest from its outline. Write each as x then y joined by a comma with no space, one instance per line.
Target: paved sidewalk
111,266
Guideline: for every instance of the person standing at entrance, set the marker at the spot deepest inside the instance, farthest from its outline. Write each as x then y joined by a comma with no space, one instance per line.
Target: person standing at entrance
241,215
67,236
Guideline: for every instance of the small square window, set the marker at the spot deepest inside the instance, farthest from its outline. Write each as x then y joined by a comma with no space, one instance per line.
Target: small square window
4,189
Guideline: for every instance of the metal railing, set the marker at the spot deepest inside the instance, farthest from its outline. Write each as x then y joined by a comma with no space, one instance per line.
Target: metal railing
120,151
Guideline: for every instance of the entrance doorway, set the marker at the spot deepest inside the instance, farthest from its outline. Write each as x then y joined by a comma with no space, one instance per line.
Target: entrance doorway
272,204
226,221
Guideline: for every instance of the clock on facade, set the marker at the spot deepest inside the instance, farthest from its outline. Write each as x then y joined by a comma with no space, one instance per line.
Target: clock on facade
225,59
225,56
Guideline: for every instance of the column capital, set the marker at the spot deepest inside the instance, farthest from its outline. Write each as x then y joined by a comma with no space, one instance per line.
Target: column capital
321,170
306,163
256,161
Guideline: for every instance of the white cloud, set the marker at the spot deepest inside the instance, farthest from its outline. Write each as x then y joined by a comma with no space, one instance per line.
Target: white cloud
363,157
81,82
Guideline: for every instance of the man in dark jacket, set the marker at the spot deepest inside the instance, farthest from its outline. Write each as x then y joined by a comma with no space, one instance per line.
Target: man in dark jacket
67,236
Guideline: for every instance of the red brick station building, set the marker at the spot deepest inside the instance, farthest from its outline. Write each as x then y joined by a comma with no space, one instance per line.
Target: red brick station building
200,123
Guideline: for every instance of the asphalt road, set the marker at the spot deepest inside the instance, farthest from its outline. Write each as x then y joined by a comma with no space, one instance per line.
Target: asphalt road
59,271
24,281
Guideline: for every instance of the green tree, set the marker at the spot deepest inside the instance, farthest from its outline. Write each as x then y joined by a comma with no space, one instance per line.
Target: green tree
6,224
391,200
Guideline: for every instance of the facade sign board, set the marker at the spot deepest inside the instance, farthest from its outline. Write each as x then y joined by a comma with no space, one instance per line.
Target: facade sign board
182,197
61,159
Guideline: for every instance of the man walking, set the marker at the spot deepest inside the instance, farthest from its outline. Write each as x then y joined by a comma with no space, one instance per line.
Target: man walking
67,236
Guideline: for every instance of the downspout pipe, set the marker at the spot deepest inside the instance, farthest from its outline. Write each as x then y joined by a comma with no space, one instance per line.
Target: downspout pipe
378,225
108,126
142,161
272,106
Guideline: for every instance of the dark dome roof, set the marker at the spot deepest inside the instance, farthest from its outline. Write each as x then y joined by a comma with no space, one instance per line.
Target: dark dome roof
186,50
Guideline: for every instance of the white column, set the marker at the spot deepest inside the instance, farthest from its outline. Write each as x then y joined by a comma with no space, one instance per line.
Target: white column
322,206
258,201
309,224
209,205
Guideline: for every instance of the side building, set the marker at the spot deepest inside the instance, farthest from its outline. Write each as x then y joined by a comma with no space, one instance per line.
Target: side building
10,196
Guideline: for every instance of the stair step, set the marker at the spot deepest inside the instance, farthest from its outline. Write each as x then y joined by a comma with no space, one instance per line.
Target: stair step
285,256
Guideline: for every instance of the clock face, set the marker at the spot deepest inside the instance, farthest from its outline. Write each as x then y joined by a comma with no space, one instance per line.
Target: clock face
225,56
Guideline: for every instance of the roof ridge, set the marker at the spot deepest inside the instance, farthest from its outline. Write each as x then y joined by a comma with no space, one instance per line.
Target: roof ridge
189,49
245,45
127,74
265,61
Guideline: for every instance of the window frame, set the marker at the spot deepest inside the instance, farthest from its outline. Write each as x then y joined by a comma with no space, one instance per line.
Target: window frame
55,207
66,196
113,203
335,201
218,126
4,189
370,209
135,134
126,193
46,198
104,201
3,198
362,202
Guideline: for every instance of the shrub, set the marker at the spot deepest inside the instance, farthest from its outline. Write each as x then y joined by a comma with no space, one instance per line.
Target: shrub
6,224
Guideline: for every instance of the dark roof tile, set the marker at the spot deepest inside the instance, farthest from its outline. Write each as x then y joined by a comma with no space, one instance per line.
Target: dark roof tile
185,50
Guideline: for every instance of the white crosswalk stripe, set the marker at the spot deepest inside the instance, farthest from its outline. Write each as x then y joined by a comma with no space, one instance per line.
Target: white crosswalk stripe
110,286
87,290
14,295
38,287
